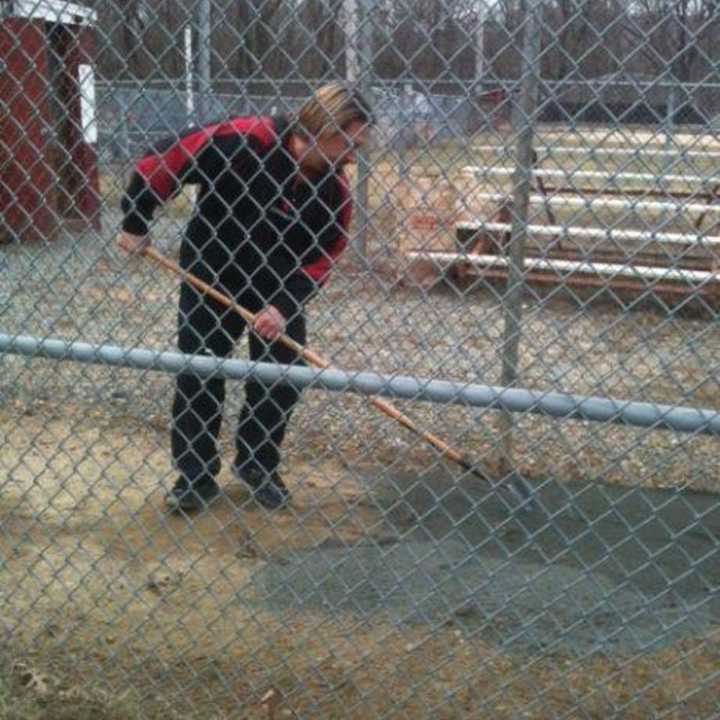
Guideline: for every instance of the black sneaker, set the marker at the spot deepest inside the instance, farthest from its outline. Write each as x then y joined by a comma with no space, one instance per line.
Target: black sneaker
196,496
269,490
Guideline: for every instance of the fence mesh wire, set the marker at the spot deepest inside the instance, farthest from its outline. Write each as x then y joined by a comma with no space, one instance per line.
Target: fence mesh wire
490,487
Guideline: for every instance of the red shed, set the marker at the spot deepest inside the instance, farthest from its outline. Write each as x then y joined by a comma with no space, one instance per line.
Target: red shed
48,153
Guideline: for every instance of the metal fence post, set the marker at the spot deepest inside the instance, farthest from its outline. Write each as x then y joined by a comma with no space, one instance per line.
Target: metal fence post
205,59
522,181
359,71
669,160
189,72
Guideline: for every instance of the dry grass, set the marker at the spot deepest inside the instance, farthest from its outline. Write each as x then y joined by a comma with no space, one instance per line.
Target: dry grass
383,674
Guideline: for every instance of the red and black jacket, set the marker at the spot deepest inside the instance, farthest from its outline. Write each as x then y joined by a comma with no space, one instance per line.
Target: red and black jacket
254,227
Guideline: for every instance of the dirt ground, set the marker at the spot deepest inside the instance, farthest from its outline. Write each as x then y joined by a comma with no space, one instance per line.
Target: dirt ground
419,597
392,587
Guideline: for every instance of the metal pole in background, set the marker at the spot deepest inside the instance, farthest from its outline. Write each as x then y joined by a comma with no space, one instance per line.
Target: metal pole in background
204,59
189,90
670,160
358,62
352,65
191,191
671,109
522,183
480,45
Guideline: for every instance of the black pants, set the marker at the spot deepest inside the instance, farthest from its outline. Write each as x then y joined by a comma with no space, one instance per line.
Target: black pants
208,328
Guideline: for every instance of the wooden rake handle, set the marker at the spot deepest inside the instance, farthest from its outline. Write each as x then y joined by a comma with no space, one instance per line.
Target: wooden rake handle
311,357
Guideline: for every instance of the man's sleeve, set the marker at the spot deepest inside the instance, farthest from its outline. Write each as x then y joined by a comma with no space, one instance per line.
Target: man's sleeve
160,175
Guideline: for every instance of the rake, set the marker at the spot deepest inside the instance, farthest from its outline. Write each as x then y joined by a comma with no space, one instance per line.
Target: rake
521,493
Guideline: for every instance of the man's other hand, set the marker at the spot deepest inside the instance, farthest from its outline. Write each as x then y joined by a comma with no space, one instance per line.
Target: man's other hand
269,323
133,244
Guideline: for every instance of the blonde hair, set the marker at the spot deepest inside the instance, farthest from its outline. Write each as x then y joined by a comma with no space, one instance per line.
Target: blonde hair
331,109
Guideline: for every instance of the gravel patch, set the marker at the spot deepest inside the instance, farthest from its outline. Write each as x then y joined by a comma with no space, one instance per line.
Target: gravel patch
521,607
589,569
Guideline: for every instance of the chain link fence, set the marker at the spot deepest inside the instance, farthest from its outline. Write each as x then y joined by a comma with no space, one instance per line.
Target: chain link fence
480,477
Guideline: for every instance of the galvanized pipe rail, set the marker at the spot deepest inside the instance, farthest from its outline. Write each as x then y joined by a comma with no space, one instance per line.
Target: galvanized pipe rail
516,400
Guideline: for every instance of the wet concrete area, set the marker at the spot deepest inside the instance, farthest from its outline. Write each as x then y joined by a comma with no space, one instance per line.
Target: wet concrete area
590,567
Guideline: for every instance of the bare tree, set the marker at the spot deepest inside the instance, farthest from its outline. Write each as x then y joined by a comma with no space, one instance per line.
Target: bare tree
503,38
139,39
570,37
674,35
428,39
317,41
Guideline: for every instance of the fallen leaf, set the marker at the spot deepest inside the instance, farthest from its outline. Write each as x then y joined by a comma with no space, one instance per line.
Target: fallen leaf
31,679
